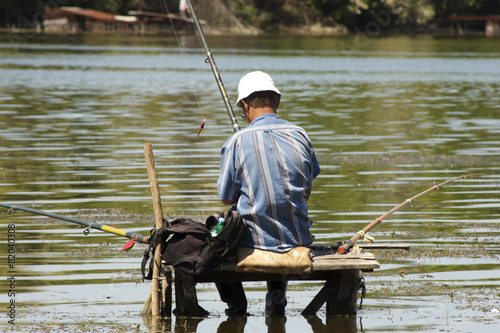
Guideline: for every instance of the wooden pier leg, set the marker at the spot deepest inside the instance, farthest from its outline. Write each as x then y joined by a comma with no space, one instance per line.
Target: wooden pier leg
180,304
345,302
329,290
166,293
185,297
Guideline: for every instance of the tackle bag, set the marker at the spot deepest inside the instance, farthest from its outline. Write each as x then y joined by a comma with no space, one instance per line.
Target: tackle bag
189,247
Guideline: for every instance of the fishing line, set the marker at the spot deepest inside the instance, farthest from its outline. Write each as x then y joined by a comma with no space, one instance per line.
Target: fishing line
210,60
186,69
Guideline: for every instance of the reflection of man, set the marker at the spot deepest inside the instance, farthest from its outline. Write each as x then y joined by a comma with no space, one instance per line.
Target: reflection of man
233,325
183,8
267,171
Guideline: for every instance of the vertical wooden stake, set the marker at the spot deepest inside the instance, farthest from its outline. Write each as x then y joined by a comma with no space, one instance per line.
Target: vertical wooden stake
146,308
155,191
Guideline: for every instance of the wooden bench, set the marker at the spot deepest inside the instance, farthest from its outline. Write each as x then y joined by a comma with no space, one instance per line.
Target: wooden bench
341,273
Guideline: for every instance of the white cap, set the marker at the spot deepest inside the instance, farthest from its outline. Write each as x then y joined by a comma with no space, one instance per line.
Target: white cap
255,81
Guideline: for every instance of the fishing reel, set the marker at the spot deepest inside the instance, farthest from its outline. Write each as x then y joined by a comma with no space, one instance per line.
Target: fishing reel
86,231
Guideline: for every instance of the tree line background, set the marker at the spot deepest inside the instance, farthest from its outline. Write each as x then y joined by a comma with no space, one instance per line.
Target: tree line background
271,15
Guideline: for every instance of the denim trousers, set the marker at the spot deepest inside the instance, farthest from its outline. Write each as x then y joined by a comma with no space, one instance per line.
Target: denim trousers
233,294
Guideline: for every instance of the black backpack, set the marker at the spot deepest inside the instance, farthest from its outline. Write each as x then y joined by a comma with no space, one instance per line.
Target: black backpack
189,247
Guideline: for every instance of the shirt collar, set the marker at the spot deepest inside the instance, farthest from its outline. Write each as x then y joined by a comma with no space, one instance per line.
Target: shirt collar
263,117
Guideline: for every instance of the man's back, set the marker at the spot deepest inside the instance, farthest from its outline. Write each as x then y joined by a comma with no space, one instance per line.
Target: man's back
268,167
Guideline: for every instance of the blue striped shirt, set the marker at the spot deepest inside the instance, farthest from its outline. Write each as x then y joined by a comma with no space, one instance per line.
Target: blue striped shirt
266,168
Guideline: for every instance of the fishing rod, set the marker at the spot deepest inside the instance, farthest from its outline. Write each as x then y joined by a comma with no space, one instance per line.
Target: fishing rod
135,236
132,235
362,233
210,59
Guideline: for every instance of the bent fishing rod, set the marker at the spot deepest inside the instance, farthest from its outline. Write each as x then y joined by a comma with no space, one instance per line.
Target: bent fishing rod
210,59
132,235
362,233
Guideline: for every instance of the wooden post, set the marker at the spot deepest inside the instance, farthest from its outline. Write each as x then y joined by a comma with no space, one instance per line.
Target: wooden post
155,191
330,290
166,293
344,303
340,293
185,296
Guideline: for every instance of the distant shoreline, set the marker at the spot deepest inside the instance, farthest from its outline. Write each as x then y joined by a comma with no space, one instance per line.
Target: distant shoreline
297,31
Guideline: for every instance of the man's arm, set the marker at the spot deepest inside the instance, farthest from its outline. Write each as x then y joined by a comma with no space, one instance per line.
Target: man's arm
308,193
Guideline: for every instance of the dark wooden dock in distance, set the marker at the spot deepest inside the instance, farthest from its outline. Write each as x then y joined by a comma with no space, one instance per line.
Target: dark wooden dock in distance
76,20
492,23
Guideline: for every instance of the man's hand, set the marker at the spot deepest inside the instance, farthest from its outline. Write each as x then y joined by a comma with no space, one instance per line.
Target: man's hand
228,202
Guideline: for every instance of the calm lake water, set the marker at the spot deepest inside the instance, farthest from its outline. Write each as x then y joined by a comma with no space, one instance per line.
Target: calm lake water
389,117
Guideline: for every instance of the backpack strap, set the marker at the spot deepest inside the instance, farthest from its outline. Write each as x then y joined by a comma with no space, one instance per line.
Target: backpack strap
241,227
150,250
145,258
234,221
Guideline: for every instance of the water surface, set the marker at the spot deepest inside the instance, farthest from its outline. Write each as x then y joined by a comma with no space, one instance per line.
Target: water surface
389,118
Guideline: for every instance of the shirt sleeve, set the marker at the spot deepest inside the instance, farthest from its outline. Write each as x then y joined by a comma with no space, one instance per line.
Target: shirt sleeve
315,166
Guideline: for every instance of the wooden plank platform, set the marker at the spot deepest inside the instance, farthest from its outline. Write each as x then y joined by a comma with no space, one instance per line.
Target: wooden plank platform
341,273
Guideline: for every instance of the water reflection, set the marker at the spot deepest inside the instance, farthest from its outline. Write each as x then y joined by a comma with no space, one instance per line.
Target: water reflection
333,324
270,324
237,325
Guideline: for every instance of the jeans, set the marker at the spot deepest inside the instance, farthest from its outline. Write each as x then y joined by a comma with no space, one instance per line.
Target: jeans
233,295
